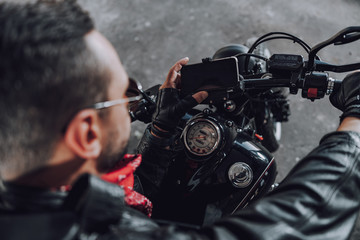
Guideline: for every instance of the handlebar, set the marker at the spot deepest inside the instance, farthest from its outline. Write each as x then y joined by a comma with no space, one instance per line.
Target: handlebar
310,89
287,70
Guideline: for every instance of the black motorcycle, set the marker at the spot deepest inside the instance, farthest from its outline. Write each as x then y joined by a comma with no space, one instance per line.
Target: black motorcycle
223,159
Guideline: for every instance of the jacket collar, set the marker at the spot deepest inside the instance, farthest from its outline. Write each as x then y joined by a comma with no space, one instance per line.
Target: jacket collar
29,199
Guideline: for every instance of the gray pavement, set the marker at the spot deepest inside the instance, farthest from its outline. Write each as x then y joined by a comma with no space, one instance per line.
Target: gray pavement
152,35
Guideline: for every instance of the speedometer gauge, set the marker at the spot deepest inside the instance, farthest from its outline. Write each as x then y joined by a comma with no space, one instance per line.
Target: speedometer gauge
202,137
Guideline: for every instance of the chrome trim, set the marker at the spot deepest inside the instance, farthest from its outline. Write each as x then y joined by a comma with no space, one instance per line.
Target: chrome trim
234,174
330,86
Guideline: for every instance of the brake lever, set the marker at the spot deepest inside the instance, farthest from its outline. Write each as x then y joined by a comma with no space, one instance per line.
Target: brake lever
348,38
323,66
345,36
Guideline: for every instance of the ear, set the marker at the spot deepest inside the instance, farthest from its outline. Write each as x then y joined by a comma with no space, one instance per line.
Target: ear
83,134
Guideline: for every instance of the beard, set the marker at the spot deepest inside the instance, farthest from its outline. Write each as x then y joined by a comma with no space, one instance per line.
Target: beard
111,154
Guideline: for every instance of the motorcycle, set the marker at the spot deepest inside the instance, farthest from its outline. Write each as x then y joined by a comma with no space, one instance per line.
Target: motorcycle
223,161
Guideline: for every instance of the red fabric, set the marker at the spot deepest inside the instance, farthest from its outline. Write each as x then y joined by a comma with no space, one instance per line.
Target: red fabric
123,175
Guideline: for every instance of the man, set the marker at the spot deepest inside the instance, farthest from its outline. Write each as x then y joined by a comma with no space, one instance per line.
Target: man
63,114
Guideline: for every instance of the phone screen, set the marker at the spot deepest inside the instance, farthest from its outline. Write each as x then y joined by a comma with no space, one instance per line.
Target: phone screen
219,73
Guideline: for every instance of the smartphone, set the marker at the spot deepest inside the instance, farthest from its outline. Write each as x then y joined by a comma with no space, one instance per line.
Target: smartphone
215,74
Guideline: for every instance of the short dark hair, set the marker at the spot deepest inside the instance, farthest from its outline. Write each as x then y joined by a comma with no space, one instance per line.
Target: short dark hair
47,74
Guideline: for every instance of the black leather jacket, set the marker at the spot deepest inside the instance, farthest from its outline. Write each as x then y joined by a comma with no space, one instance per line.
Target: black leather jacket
318,200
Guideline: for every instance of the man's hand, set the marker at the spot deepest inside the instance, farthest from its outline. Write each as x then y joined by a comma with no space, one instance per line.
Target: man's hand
347,98
170,108
173,80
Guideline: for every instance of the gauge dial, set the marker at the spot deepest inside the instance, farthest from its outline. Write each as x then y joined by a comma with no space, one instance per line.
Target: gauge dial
202,137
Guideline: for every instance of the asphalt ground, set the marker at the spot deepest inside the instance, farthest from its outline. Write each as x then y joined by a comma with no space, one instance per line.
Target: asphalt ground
152,35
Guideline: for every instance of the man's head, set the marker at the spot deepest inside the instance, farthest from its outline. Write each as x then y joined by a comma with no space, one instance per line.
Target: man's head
53,65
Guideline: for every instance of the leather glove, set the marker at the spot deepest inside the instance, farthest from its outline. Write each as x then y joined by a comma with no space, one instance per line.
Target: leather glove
169,110
347,98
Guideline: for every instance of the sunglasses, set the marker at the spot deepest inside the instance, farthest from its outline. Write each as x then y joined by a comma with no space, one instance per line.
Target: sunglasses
133,94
